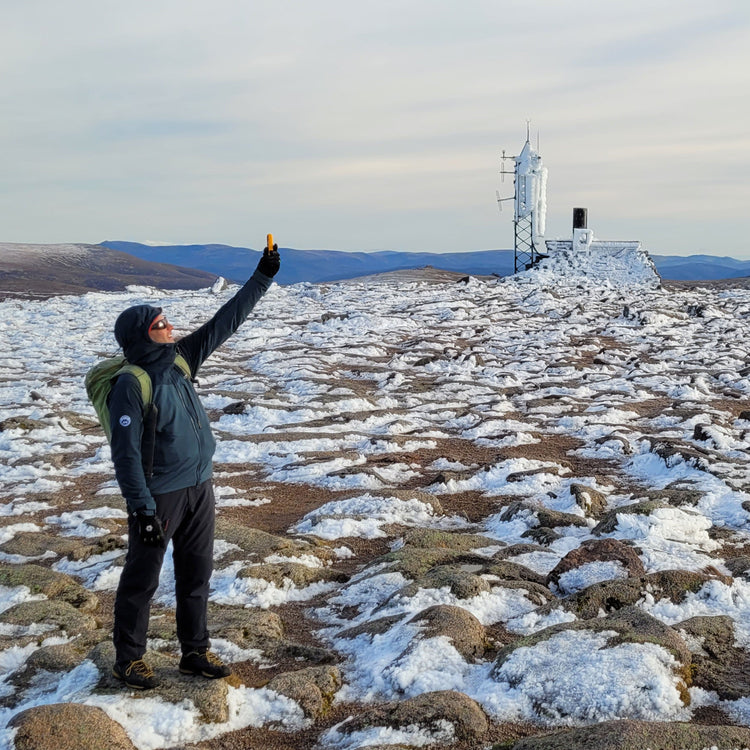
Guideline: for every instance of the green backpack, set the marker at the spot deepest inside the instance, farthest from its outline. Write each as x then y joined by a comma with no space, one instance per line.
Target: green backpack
101,377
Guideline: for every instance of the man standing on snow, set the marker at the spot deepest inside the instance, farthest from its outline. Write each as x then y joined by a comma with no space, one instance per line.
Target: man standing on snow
173,499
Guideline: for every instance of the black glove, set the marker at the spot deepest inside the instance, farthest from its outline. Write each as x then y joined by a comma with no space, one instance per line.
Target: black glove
269,262
150,529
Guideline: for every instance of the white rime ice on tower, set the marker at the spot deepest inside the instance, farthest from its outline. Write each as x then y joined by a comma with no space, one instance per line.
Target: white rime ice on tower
531,191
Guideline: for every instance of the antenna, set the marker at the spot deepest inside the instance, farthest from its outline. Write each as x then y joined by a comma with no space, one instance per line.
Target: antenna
529,188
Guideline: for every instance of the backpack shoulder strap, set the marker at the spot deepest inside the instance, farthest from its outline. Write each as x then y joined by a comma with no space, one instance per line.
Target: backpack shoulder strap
182,363
144,381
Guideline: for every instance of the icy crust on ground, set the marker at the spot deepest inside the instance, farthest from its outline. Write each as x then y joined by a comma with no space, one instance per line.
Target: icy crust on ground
400,406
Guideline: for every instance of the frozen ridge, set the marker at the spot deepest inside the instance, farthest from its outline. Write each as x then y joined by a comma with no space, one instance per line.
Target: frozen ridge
609,263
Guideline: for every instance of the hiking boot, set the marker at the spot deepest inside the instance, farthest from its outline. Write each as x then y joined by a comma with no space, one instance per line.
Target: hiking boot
135,674
204,663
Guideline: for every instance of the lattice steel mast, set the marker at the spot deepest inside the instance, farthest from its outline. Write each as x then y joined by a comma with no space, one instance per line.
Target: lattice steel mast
529,204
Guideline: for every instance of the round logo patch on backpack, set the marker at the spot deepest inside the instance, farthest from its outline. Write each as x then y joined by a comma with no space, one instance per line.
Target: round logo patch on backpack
124,420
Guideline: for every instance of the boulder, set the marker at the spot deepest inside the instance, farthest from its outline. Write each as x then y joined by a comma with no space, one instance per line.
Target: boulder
208,696
68,726
461,580
738,566
53,585
718,664
300,575
547,517
461,627
631,624
637,735
604,550
248,628
591,501
415,562
261,544
610,596
435,539
609,520
542,535
428,711
673,453
313,688
371,627
54,617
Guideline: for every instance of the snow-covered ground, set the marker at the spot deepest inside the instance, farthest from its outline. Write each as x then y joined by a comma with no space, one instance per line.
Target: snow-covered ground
398,403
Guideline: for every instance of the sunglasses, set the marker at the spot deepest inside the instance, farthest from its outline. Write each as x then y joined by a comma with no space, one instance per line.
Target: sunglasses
159,325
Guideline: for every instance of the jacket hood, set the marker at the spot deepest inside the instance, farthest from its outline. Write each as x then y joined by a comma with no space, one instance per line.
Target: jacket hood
131,332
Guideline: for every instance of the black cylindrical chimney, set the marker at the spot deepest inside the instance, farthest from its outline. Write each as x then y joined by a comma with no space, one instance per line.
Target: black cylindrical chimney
579,218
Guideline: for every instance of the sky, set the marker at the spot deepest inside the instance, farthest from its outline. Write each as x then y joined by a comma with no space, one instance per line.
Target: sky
373,126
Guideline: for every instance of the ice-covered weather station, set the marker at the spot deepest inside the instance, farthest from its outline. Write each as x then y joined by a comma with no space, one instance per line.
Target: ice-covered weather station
529,204
614,262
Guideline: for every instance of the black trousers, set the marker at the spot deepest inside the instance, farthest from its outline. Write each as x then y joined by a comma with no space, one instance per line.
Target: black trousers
188,520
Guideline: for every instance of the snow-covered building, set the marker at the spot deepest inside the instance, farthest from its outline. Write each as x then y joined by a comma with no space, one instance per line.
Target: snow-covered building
617,262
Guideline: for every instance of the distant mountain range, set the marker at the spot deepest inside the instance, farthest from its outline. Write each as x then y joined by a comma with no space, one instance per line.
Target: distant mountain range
236,263
49,270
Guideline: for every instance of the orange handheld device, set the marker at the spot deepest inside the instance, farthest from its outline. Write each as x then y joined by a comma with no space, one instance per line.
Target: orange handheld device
269,242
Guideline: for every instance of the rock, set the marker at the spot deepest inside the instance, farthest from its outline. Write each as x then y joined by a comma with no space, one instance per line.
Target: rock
236,407
68,726
514,550
717,663
738,566
313,688
415,562
744,414
434,539
208,696
58,615
26,424
300,575
248,628
62,657
610,596
519,476
462,581
261,544
542,535
53,585
511,571
463,629
546,516
593,502
37,543
609,520
675,453
701,433
303,652
632,625
428,711
371,627
638,735
604,550
677,496
99,545
555,518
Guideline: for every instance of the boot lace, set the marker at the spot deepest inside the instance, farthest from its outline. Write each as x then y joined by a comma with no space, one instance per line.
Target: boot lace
212,658
140,668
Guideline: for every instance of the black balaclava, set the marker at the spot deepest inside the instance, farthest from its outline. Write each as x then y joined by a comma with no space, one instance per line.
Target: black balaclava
131,332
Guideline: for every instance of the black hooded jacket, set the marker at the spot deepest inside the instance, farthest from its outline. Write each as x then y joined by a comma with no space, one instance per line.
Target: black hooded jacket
184,445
